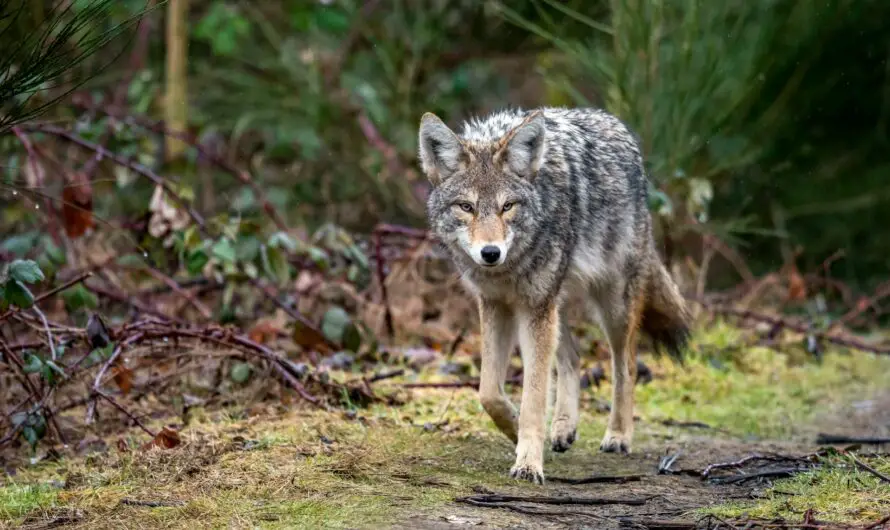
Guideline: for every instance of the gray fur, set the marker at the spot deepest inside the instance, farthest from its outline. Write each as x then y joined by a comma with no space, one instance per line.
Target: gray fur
581,231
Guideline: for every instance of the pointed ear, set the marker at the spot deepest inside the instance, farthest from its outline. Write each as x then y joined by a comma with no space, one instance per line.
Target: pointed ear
525,146
440,149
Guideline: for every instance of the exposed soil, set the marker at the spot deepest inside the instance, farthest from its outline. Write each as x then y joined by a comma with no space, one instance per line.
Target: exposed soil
670,497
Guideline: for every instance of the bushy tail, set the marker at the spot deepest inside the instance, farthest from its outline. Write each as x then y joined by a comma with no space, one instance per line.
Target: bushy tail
666,318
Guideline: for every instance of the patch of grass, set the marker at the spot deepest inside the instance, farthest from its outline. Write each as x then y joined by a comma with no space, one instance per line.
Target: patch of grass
838,492
18,500
306,469
757,391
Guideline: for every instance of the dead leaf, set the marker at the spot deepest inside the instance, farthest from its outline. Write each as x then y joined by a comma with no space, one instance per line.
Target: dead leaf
123,377
77,205
268,328
262,331
165,216
797,287
306,280
167,438
309,338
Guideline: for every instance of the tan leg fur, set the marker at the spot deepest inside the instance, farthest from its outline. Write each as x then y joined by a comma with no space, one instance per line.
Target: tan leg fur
538,332
498,341
622,335
563,427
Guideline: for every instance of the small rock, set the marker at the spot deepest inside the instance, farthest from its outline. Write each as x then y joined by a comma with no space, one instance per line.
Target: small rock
454,369
463,520
419,357
339,361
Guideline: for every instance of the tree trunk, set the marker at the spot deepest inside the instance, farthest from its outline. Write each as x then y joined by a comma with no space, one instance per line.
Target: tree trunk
176,96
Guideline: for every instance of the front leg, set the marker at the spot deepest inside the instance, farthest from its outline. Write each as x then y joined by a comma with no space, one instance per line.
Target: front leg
538,340
498,341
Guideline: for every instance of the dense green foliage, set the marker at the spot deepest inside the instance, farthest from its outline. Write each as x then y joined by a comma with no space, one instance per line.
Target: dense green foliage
765,121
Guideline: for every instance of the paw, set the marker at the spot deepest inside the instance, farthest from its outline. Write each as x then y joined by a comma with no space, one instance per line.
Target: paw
615,442
528,473
562,435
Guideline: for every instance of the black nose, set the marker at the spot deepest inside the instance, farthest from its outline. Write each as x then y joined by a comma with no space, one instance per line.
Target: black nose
490,253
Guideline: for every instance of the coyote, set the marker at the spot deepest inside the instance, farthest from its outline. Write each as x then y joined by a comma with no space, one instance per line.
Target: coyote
541,210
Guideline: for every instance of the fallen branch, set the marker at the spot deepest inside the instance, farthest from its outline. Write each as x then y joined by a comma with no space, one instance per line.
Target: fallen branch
546,499
527,510
473,383
151,504
706,473
598,479
784,472
835,439
865,467
386,375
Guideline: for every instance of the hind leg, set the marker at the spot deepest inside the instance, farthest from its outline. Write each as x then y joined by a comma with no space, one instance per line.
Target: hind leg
563,427
620,320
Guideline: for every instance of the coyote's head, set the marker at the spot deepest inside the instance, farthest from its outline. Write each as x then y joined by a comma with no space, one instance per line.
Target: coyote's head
484,201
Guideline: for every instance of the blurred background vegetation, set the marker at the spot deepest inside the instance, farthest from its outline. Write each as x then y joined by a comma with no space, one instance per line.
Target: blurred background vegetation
764,122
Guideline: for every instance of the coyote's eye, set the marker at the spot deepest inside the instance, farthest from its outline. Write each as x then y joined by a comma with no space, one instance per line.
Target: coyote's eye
507,206
467,207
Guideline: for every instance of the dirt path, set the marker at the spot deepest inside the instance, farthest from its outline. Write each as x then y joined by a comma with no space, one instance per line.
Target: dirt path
673,497
665,496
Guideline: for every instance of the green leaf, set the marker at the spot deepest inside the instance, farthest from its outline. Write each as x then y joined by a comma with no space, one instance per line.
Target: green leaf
224,251
244,200
319,257
20,244
25,271
30,435
53,252
352,338
240,372
18,295
51,372
275,265
338,327
356,254
33,363
132,260
33,428
283,240
331,20
79,297
100,354
223,27
195,262
248,248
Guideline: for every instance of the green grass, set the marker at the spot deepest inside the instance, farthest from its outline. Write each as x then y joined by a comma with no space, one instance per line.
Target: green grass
18,500
757,391
838,492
